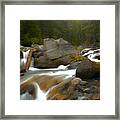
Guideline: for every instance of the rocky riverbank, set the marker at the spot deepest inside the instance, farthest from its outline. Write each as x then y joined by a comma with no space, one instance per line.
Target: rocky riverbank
57,87
63,72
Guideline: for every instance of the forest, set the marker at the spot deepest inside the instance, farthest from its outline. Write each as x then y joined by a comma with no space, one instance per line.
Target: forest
77,32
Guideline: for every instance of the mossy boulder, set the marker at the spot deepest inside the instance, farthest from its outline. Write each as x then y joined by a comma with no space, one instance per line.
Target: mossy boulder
88,70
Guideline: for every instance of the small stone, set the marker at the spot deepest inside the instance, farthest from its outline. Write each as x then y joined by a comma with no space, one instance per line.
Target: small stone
83,98
87,90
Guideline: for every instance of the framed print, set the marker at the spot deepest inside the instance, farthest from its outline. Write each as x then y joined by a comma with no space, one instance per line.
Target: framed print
60,59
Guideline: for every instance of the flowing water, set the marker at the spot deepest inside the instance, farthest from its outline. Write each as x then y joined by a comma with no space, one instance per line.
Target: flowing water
40,95
61,70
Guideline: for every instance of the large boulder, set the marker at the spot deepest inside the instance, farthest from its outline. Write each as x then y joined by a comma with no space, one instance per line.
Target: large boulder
57,48
42,61
53,53
88,70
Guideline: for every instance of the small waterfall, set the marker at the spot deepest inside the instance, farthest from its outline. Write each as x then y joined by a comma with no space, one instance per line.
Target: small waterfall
67,73
25,56
35,87
39,94
91,54
60,70
24,60
62,67
94,57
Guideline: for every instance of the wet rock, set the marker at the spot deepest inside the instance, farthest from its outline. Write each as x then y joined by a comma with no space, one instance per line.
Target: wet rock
65,90
83,98
73,65
56,87
21,54
87,90
91,90
44,81
88,70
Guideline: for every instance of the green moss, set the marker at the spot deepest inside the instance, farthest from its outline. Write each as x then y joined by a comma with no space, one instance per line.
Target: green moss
77,57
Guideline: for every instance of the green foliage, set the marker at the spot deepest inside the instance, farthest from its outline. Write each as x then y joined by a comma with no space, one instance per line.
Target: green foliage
78,32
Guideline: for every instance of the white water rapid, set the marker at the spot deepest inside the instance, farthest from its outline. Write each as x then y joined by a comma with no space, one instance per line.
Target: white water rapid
60,70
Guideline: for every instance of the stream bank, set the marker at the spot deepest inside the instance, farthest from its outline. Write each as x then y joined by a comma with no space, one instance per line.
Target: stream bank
57,71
